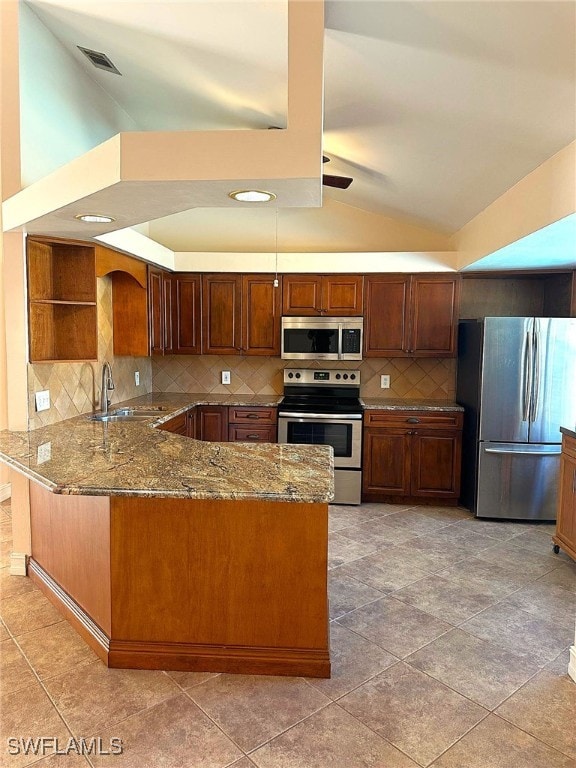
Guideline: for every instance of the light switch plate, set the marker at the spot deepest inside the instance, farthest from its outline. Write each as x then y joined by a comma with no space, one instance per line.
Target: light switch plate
43,400
385,381
137,378
225,377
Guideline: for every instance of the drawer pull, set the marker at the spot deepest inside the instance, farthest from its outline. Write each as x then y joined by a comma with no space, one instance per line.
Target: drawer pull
252,416
253,437
413,420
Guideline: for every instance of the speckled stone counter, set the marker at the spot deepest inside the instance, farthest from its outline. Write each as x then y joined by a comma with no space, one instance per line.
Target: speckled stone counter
88,458
568,432
166,552
374,403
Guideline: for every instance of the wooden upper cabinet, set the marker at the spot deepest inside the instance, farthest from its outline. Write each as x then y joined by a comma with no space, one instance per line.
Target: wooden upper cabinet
240,315
168,312
387,316
330,295
261,313
186,314
435,304
221,314
411,315
61,300
129,279
156,311
342,295
301,295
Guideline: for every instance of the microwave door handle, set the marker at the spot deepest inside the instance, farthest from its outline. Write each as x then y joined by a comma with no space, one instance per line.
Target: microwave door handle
339,341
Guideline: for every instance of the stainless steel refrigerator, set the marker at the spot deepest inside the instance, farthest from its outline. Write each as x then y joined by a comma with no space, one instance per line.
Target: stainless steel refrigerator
517,382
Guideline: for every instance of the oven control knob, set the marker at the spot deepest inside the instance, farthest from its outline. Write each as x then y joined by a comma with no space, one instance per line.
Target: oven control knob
352,376
345,375
290,375
338,376
298,375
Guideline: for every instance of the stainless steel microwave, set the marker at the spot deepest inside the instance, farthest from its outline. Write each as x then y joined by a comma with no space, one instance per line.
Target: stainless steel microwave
322,338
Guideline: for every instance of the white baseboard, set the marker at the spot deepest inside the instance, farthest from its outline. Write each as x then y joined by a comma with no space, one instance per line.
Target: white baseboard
572,665
5,491
18,564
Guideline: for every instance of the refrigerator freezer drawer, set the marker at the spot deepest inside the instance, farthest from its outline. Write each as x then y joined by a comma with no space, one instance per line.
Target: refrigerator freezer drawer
518,481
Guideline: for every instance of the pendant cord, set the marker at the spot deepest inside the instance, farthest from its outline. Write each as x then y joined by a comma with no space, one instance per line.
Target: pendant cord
276,282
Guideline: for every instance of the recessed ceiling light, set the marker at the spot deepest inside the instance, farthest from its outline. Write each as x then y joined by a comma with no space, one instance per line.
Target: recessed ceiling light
94,218
252,196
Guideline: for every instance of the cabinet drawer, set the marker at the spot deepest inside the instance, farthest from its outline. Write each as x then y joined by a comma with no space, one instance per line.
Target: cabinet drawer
414,419
178,424
248,434
245,415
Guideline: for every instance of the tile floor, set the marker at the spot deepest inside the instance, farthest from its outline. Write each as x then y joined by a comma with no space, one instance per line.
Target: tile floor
450,641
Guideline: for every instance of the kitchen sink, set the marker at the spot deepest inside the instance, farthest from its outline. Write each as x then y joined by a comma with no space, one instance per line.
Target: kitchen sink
128,414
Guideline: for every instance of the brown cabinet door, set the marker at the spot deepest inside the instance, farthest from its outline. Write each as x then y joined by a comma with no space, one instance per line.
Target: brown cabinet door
186,314
191,422
566,522
435,465
386,464
155,312
301,295
212,423
221,314
261,311
387,323
435,303
342,295
168,312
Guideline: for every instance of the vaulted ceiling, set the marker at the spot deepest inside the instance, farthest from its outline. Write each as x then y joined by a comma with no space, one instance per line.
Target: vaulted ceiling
434,108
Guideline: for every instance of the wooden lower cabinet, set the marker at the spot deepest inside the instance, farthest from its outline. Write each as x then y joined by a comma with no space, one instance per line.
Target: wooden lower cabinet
212,423
252,425
178,425
412,457
565,536
188,584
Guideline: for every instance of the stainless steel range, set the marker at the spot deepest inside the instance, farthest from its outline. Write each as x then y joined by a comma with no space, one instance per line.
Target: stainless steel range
323,408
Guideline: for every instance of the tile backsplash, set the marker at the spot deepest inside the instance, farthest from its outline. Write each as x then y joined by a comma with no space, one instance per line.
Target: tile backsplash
75,387
427,378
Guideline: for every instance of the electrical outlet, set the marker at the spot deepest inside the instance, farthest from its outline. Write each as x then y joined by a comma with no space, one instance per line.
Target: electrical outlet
43,400
385,381
225,377
137,378
43,453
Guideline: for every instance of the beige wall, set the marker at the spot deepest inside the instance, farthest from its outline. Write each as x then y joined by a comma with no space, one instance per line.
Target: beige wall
545,196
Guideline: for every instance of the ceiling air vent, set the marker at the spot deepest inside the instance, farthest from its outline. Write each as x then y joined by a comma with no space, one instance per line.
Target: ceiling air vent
99,60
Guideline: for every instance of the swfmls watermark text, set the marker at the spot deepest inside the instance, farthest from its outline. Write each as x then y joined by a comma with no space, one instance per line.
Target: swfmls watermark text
53,745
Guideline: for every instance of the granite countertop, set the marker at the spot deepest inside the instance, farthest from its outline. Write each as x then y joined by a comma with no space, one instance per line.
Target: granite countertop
568,432
376,403
83,457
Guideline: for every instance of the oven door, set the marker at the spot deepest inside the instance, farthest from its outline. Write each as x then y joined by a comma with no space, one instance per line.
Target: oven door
342,433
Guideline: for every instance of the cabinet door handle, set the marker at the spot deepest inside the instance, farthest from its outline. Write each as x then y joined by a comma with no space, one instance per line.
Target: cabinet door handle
253,437
413,420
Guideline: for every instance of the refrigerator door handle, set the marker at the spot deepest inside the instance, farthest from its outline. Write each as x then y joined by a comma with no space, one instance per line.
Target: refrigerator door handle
536,384
527,367
552,452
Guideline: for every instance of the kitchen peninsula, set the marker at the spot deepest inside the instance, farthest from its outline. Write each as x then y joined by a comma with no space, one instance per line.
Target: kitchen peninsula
166,552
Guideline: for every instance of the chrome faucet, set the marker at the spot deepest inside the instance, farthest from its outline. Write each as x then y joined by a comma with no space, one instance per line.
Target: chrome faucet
107,386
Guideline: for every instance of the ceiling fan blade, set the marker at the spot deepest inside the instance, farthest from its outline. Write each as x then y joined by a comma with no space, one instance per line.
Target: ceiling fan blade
341,182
